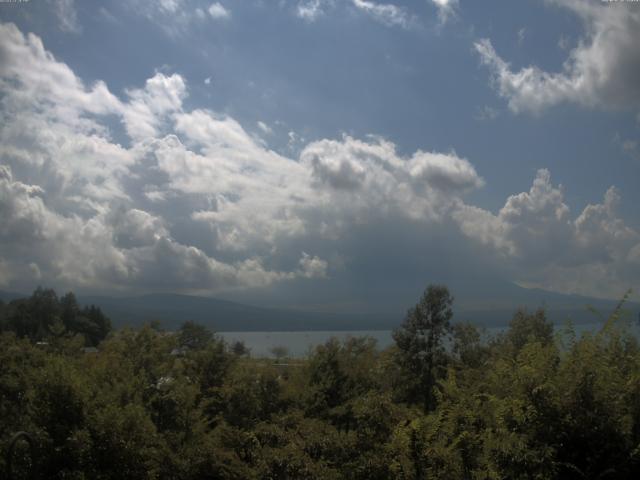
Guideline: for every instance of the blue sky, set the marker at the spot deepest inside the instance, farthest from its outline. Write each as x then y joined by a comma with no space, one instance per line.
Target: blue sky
320,153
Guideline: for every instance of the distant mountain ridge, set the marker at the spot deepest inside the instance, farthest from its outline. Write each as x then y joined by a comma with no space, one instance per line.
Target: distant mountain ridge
223,315
171,310
8,296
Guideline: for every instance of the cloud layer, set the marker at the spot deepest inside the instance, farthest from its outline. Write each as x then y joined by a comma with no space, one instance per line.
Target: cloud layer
194,202
602,71
189,201
592,254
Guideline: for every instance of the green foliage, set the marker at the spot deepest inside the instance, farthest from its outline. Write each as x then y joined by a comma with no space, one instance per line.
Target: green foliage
339,374
43,317
420,341
279,352
194,336
240,349
526,405
468,348
529,327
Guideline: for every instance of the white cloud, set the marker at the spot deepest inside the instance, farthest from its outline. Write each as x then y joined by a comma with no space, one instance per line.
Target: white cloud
148,108
32,73
311,10
251,200
601,71
170,6
73,211
177,17
530,225
66,14
629,147
135,228
218,11
522,34
564,43
124,248
386,13
446,9
445,172
535,234
486,113
195,203
370,176
23,212
108,16
313,267
334,165
173,16
266,129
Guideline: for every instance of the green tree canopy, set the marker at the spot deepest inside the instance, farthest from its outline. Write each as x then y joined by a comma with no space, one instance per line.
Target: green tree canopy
194,336
420,341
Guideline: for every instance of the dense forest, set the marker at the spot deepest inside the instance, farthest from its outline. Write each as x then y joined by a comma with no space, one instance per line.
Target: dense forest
444,402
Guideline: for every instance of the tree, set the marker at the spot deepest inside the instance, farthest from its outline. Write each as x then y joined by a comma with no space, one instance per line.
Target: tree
32,317
468,347
43,316
97,324
529,327
279,352
70,311
44,309
3,315
420,341
194,336
240,349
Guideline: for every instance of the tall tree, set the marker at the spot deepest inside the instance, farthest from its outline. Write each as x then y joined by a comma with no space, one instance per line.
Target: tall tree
70,311
420,342
194,336
527,327
98,325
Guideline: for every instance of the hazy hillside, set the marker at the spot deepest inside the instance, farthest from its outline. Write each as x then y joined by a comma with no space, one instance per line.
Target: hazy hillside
222,315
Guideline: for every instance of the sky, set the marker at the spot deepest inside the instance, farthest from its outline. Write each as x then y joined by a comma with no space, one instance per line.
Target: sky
326,154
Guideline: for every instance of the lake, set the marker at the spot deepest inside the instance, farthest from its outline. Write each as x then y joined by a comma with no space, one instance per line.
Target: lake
299,344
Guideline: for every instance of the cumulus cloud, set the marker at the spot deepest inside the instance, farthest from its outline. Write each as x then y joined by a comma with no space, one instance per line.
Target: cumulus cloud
535,232
26,65
218,11
73,209
122,248
334,165
195,203
95,213
23,212
135,228
602,71
313,267
529,225
420,185
445,173
149,107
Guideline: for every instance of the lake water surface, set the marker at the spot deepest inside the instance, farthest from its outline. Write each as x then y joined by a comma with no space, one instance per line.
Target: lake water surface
300,344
